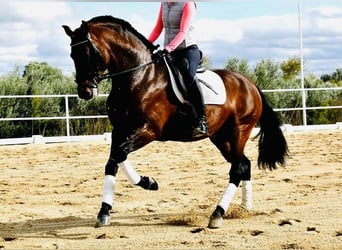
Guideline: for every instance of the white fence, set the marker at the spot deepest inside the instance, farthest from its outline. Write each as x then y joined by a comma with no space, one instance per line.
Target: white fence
106,136
67,116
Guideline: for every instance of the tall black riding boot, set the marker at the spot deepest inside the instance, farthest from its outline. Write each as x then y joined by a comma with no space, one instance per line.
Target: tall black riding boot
196,98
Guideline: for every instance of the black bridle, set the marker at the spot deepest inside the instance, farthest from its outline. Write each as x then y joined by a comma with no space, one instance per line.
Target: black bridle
97,78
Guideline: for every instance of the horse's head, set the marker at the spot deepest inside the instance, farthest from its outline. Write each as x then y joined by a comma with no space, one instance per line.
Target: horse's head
88,60
106,43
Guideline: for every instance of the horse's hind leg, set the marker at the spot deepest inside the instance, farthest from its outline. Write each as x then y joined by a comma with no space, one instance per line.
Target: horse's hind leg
236,177
246,194
240,171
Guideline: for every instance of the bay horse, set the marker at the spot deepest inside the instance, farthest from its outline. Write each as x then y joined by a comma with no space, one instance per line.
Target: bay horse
142,109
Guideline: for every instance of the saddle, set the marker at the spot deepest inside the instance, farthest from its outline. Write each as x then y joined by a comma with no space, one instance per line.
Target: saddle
211,84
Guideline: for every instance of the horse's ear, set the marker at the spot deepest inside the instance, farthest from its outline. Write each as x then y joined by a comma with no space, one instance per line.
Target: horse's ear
67,30
84,27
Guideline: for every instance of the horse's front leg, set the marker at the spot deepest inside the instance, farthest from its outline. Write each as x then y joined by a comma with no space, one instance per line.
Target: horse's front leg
118,159
137,139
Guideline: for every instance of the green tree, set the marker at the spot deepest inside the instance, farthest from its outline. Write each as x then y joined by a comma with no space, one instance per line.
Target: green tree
12,84
42,79
322,98
267,73
206,62
336,76
239,65
325,77
291,68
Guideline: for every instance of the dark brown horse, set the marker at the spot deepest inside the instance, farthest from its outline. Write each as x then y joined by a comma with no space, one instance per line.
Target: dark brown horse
142,109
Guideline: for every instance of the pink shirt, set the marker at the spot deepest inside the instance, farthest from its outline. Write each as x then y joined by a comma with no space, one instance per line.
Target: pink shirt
188,11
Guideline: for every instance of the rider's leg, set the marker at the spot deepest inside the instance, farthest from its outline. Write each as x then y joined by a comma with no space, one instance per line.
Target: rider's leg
193,56
196,97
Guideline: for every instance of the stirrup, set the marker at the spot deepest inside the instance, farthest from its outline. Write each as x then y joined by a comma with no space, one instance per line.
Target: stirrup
201,129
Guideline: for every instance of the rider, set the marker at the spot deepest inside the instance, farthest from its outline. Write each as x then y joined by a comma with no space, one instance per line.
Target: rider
176,20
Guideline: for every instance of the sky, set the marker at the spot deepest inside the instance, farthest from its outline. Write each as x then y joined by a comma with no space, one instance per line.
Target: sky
30,31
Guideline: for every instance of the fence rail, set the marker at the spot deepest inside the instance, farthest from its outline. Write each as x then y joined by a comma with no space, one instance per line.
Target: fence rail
69,117
304,107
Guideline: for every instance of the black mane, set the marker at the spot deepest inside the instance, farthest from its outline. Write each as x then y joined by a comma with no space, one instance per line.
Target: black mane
126,26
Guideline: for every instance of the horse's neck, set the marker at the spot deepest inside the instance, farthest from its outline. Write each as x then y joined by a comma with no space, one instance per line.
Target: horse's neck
128,52
128,56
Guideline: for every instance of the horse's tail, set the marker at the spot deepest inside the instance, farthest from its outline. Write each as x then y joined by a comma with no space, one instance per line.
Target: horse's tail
272,144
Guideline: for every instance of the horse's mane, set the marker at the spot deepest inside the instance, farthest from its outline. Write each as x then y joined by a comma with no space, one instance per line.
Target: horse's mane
125,26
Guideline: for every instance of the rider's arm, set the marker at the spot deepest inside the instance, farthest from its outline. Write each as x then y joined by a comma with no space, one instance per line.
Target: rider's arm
158,28
188,11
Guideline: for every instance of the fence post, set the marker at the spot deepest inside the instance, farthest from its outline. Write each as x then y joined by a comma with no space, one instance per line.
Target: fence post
302,63
67,120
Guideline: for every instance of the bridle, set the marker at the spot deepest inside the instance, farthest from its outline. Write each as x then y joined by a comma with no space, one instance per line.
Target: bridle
97,78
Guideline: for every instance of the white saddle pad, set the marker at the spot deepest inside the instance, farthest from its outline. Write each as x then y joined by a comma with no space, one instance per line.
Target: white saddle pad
212,87
211,84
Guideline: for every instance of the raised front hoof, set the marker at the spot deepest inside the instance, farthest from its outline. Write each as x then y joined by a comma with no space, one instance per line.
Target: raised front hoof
148,183
215,222
103,220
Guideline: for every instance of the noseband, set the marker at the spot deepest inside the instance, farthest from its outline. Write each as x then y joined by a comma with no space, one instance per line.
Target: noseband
97,78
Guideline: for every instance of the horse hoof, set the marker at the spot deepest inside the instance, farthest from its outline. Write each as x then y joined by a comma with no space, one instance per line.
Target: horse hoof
153,184
103,220
148,183
215,222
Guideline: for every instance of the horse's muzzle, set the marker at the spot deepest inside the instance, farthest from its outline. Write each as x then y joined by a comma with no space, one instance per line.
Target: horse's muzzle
87,91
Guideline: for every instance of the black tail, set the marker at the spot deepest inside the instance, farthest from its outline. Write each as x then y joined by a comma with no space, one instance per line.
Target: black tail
272,144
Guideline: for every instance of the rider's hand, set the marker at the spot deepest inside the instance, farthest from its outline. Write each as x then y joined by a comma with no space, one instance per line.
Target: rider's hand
159,55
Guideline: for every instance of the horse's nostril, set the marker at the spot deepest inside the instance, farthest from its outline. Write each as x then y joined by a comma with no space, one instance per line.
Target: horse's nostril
85,94
88,95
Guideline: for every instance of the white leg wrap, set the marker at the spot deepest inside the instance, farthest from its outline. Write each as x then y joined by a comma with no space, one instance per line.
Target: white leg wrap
246,201
227,196
108,189
132,176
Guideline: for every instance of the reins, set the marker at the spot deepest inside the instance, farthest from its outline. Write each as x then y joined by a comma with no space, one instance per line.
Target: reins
110,75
